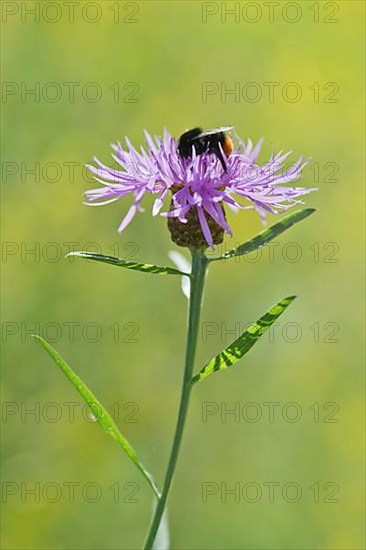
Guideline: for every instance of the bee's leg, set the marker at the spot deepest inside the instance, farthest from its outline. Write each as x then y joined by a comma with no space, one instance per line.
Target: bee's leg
218,153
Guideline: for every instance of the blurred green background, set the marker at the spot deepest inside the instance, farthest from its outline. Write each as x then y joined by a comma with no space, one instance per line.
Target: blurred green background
168,50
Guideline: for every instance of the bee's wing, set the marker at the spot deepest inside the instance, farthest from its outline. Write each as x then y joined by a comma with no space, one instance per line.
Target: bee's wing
214,131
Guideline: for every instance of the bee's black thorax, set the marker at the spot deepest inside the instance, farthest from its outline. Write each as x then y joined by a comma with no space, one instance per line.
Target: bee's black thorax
188,140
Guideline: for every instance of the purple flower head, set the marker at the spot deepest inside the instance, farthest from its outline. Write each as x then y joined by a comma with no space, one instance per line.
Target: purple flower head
198,184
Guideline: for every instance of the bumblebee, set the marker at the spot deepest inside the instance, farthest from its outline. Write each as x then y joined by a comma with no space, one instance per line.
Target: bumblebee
206,141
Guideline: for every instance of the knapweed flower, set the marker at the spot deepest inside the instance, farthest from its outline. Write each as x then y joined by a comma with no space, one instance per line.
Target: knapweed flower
199,186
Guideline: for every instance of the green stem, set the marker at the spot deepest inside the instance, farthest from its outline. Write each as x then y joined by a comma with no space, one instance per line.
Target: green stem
199,265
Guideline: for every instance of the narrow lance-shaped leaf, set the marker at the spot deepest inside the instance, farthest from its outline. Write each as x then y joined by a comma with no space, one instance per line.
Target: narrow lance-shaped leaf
267,235
146,268
101,414
237,349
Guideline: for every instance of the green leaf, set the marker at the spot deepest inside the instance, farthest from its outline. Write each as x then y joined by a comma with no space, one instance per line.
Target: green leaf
267,235
146,268
102,416
237,349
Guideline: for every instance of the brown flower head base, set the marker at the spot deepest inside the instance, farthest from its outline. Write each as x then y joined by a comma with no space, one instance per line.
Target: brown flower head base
190,234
